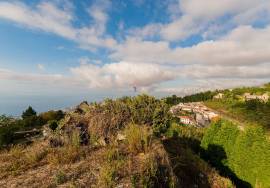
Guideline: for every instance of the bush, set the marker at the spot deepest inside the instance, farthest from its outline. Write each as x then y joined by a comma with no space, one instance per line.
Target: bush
161,119
52,115
114,115
53,125
244,156
7,129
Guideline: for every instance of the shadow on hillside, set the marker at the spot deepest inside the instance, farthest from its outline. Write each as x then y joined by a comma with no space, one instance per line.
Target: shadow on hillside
181,151
215,155
184,164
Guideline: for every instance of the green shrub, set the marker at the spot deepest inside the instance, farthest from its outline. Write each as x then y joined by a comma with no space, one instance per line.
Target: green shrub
242,155
53,125
52,115
161,119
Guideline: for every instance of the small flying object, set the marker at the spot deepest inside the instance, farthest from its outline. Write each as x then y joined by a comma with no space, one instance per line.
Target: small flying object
135,89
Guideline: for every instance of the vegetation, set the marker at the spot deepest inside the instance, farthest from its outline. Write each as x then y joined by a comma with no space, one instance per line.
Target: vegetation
244,156
117,143
28,121
203,96
183,147
250,112
138,159
28,113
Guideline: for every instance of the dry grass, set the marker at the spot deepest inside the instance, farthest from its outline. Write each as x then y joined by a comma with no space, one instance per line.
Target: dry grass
35,154
138,138
110,170
71,165
65,155
60,177
108,174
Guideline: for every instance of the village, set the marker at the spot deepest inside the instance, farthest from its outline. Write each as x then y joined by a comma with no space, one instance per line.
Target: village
193,113
198,115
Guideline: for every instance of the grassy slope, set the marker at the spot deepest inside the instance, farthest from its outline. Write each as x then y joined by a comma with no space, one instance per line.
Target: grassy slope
243,155
233,107
183,146
125,163
138,161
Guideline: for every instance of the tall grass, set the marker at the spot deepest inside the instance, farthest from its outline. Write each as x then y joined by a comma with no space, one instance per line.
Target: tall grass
138,138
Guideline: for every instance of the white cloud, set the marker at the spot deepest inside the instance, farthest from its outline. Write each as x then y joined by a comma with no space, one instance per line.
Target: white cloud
48,17
40,67
122,74
197,17
148,31
98,12
242,46
86,60
233,72
136,50
28,77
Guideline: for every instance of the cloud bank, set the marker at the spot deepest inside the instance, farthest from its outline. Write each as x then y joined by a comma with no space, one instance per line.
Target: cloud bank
232,47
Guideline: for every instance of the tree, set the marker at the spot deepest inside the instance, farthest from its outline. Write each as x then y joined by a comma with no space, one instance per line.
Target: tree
29,112
161,119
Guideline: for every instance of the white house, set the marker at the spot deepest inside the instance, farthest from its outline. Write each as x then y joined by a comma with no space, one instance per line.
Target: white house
186,120
219,96
264,97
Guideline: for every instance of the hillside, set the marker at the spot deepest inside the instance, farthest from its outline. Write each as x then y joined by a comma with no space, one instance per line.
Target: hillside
137,142
116,143
237,143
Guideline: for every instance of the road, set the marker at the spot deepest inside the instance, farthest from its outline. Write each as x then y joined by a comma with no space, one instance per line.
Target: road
241,125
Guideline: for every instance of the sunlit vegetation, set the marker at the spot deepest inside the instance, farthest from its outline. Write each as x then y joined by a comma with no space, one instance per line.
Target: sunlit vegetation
82,148
135,142
29,120
243,155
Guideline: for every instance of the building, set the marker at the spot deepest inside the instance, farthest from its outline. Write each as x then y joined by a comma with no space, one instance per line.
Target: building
201,120
263,98
186,120
218,96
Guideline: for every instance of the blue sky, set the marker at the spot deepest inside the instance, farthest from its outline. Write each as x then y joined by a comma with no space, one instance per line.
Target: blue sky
56,53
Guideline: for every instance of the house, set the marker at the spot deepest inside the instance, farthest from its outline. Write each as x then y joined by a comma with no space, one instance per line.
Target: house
187,109
263,98
186,120
201,120
218,96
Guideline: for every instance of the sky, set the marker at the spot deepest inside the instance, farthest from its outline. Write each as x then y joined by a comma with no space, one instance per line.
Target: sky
57,53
